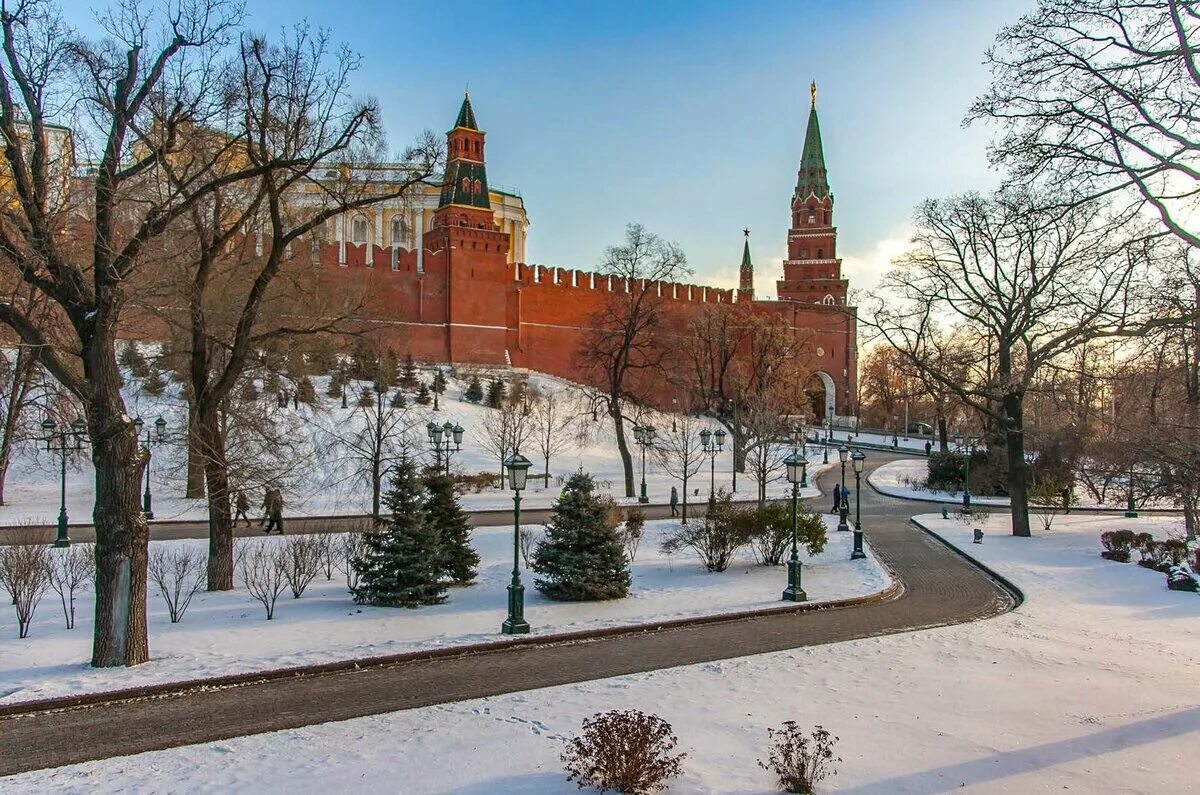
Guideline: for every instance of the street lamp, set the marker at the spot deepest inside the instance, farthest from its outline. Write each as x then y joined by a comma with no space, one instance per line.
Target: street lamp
160,436
799,439
712,444
644,436
858,457
59,441
969,442
843,508
1130,507
796,473
895,430
518,470
825,443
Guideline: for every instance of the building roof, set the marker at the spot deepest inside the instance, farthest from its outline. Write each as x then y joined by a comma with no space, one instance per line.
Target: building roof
812,178
466,114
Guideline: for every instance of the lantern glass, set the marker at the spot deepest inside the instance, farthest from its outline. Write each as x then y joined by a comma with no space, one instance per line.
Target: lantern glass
858,457
705,435
436,430
458,434
518,470
79,426
429,426
795,464
138,424
843,453
720,438
160,429
48,426
650,433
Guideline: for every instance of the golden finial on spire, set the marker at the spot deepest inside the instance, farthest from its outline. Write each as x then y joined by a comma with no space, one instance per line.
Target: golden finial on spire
812,89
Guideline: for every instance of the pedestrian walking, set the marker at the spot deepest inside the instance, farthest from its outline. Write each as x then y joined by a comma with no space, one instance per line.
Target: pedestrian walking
928,447
837,498
674,502
241,505
273,506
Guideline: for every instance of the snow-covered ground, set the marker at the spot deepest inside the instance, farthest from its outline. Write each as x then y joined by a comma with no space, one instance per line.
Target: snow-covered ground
227,633
1089,686
319,477
907,478
876,439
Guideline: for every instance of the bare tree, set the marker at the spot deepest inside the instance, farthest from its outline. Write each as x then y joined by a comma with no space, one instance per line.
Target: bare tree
506,430
71,568
379,435
1032,283
264,573
624,346
25,573
681,452
178,573
1100,96
553,420
247,272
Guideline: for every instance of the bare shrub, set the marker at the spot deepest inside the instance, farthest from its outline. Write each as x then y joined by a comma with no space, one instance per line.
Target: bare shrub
329,558
178,572
25,573
351,546
632,531
71,568
264,573
529,540
623,750
798,760
302,560
715,538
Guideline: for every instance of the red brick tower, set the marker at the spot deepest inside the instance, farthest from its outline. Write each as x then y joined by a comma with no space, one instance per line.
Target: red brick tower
812,273
746,274
466,241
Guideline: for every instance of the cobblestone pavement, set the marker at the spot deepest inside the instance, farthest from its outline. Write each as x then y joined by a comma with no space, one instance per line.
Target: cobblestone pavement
940,587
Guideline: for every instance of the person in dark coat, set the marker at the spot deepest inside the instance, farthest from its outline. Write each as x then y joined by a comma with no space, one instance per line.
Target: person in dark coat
674,502
928,447
273,506
241,505
837,498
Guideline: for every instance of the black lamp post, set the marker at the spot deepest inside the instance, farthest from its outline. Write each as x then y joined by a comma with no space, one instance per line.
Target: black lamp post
969,443
1130,507
712,444
60,441
895,430
160,436
644,436
799,437
843,507
796,471
825,451
858,457
518,471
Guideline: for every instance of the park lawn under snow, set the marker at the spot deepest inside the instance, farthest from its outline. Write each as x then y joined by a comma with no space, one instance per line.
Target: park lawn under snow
1089,686
227,633
907,479
320,477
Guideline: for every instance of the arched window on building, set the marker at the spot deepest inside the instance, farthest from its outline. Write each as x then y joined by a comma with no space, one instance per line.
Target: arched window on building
803,253
820,253
466,184
478,186
359,231
812,217
399,231
828,300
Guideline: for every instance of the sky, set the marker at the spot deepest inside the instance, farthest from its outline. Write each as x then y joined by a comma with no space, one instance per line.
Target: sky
687,117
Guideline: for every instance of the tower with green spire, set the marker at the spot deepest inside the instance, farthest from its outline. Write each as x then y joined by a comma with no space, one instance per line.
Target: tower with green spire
812,273
465,184
746,274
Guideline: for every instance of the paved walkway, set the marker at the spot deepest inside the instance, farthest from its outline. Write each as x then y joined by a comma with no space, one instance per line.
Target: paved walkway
940,588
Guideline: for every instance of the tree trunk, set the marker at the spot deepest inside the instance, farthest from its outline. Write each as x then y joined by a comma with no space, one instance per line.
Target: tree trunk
195,458
623,446
376,487
685,493
220,523
943,436
22,375
1017,468
122,534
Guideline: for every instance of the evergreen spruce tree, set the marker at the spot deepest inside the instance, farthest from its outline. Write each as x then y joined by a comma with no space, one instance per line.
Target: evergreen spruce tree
581,557
423,395
389,368
474,392
495,393
409,376
447,516
154,384
403,563
439,381
305,392
335,386
398,400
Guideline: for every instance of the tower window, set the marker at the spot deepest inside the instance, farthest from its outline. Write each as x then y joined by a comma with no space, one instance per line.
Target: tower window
478,186
820,253
399,231
803,253
358,231
466,184
827,300
812,217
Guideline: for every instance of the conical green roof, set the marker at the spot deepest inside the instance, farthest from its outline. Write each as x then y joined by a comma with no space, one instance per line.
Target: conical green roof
466,115
812,178
746,263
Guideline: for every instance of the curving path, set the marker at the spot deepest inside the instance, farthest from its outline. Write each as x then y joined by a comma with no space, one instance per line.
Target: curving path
940,587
